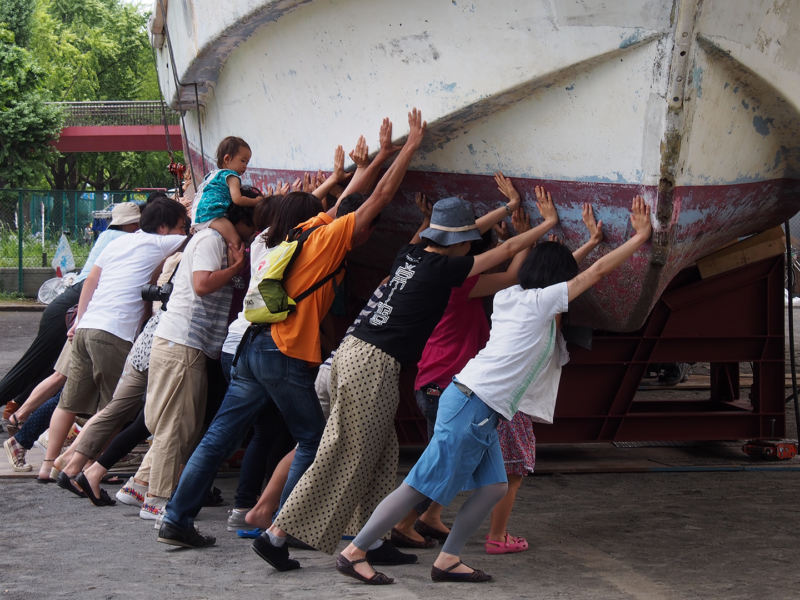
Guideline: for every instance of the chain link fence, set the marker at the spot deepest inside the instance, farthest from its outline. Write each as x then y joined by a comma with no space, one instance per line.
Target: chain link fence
32,222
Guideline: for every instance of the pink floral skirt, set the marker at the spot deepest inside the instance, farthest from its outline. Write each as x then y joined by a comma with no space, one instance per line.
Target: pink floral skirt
518,444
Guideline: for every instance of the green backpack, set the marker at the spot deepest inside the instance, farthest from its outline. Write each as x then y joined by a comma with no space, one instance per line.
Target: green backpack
266,301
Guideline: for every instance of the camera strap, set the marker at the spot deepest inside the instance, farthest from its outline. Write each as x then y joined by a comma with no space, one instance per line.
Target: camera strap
171,277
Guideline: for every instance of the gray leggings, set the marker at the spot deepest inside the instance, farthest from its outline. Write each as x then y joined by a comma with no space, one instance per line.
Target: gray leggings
397,504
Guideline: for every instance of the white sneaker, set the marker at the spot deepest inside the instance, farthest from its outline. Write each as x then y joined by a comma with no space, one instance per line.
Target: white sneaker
132,493
152,507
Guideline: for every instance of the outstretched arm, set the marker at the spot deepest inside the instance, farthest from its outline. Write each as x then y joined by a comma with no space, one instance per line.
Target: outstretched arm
235,187
370,172
387,186
490,219
640,219
87,292
494,282
595,234
338,175
510,248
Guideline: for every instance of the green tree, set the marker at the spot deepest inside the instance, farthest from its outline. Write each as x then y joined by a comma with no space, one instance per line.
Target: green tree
97,50
27,124
16,16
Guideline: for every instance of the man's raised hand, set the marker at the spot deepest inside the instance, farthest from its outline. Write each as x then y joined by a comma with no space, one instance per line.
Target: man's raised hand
360,154
416,129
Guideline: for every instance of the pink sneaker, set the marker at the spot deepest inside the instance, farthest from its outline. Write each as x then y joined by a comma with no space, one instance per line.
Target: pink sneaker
509,546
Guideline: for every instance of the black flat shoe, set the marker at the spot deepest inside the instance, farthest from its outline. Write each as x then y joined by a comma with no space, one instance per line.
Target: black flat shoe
64,481
401,540
387,555
103,500
347,567
426,530
446,575
277,556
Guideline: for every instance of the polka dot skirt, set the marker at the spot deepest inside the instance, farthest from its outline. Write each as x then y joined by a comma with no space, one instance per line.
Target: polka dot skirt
356,464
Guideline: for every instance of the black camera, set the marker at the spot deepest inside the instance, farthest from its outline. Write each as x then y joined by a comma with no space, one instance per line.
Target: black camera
157,293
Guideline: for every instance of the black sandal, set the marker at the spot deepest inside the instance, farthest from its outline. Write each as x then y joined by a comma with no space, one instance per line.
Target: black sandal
14,427
103,500
347,567
64,481
440,575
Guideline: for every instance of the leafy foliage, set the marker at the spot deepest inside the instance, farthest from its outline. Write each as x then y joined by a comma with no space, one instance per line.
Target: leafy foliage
96,50
15,15
27,124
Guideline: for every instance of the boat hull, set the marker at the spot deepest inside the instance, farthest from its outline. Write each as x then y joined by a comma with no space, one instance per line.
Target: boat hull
692,104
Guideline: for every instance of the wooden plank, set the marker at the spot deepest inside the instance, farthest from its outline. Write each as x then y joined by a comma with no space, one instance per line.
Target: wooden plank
702,382
732,256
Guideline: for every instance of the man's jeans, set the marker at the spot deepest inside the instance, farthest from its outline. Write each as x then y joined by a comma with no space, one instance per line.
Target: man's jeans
263,375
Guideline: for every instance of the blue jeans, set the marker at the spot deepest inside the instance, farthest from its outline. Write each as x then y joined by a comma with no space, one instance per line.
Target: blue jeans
271,441
263,375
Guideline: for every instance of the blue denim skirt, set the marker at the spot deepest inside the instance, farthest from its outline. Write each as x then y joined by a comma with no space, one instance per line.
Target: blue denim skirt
464,453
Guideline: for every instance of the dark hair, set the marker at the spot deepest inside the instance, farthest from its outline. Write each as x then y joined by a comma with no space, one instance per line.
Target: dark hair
237,214
161,211
114,228
482,245
294,208
230,146
154,195
432,244
351,203
548,263
265,212
250,191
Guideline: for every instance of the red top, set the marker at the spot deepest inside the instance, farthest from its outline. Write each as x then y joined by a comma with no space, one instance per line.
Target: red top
459,336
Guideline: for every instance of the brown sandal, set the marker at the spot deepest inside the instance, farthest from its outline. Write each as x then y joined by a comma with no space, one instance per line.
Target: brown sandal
347,567
439,575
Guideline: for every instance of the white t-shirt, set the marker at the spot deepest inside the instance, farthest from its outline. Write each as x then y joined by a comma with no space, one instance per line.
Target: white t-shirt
198,321
258,250
127,264
520,367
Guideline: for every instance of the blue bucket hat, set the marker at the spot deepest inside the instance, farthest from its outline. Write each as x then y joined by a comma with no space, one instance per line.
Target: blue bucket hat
452,222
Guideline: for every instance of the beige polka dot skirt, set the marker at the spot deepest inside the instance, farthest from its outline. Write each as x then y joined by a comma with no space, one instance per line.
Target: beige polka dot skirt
356,464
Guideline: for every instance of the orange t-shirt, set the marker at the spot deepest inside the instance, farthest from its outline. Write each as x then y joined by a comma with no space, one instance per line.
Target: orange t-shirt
323,251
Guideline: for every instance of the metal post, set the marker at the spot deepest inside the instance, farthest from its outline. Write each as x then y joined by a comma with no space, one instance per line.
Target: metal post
20,229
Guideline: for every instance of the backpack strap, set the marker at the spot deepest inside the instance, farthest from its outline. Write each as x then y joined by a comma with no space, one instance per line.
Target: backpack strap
320,283
300,237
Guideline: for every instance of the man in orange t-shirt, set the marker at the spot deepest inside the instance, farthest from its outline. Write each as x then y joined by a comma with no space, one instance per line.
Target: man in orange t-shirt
280,365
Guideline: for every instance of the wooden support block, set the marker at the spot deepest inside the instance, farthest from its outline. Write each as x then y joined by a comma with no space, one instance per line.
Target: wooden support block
755,248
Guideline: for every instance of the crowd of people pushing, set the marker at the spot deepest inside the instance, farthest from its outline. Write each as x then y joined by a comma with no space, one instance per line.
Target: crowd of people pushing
190,372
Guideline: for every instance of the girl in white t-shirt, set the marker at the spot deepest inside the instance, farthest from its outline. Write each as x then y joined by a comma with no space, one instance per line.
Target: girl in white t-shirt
508,375
517,440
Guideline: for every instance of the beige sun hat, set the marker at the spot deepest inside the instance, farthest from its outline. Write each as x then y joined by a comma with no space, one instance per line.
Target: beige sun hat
125,214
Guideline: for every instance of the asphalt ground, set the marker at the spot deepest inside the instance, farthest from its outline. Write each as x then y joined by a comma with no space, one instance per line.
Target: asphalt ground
653,536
